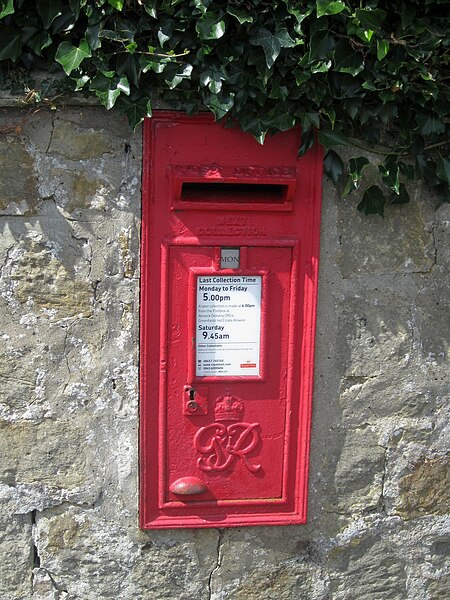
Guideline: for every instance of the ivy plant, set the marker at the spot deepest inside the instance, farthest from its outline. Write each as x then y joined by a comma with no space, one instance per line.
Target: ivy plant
372,75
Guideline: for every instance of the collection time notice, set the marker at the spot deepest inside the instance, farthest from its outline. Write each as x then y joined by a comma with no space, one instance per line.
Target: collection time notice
228,325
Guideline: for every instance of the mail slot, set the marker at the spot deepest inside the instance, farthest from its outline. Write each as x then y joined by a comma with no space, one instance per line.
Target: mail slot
230,244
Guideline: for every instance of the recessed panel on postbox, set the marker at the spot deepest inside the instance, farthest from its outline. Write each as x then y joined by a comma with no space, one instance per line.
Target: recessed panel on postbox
229,284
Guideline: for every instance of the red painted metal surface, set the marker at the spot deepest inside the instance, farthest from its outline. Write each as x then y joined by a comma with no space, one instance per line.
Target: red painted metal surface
226,353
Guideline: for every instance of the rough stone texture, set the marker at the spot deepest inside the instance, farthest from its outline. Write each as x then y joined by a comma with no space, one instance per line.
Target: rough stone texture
378,526
16,551
367,569
18,193
426,490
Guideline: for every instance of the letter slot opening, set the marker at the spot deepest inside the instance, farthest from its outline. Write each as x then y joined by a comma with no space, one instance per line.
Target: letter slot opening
223,193
237,193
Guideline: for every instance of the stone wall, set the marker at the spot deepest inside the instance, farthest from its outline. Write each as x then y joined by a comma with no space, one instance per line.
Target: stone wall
69,296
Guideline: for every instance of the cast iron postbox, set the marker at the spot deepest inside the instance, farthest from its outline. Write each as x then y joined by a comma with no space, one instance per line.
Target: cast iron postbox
230,246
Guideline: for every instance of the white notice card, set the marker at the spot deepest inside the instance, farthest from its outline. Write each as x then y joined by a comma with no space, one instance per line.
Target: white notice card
228,325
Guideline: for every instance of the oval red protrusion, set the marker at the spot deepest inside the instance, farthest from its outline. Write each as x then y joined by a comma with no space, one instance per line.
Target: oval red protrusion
188,486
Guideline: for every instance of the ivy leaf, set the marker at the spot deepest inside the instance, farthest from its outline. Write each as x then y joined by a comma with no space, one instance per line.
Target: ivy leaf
321,67
370,18
429,124
135,110
241,15
39,41
331,137
390,175
150,8
382,49
210,27
108,98
10,44
117,4
201,5
74,8
356,168
407,170
300,15
70,57
331,114
255,125
401,197
7,9
212,79
325,7
426,167
92,36
277,91
108,88
307,142
333,166
281,117
407,14
178,76
346,60
220,105
308,119
271,43
48,11
443,169
373,202
321,42
128,64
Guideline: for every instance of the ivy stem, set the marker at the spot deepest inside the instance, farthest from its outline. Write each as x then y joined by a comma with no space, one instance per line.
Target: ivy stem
388,152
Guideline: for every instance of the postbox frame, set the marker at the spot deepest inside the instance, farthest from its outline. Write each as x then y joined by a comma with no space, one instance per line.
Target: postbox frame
304,297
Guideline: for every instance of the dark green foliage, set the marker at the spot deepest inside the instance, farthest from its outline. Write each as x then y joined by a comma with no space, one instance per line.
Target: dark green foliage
368,74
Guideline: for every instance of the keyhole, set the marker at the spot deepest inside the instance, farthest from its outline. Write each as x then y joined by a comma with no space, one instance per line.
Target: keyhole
192,404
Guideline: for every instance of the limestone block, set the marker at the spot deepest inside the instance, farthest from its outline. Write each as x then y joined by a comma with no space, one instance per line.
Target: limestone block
402,242
33,368
26,393
369,569
432,318
426,490
53,452
438,584
365,399
86,192
442,239
359,472
45,281
175,566
16,555
272,565
18,383
437,589
75,140
45,587
94,559
18,186
374,333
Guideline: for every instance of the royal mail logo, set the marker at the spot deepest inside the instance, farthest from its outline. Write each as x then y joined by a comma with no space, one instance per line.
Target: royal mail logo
222,446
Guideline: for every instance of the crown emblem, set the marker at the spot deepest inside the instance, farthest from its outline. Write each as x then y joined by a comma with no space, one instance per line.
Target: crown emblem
228,408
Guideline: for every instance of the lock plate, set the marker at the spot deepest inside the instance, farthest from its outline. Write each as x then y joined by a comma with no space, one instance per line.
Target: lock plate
195,402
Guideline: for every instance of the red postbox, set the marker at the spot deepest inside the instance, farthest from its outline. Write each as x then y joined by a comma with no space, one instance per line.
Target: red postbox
230,245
